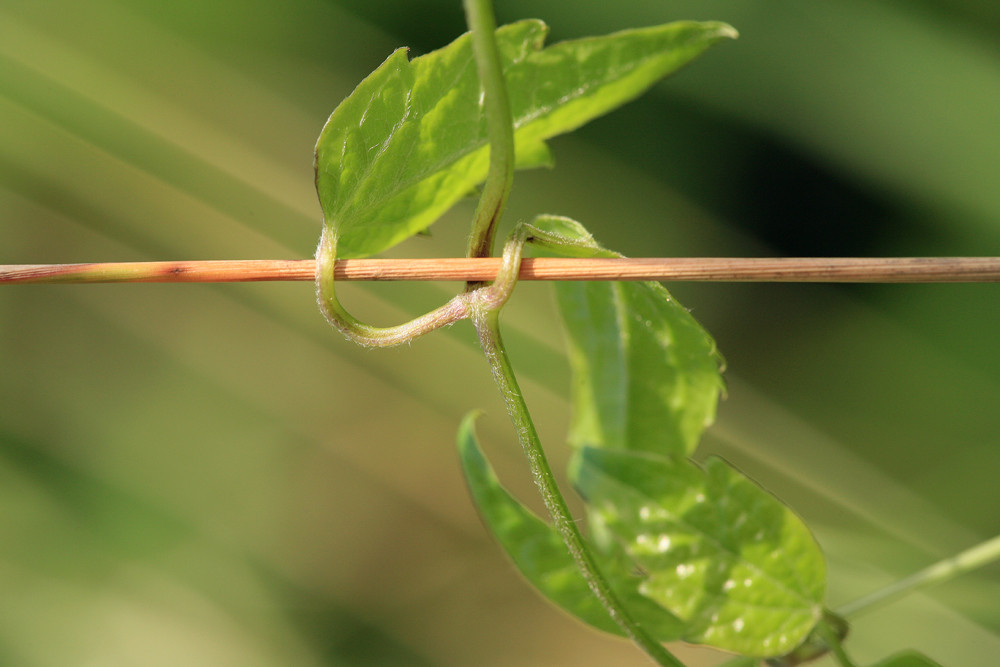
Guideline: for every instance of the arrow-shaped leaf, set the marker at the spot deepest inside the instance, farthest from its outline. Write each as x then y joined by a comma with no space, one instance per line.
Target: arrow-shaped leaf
411,140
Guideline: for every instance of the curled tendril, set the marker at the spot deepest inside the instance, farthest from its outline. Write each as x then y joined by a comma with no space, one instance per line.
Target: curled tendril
460,307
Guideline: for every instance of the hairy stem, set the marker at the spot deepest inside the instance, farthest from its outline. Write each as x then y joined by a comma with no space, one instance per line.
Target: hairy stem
487,326
486,312
499,126
460,307
365,334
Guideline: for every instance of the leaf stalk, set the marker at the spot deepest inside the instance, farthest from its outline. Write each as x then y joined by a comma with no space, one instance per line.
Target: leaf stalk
486,321
486,314
829,636
499,127
938,573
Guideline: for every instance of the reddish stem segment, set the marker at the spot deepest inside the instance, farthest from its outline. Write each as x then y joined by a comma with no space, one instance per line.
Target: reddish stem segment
718,269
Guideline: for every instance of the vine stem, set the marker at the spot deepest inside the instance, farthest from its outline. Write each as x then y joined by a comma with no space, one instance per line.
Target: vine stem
487,326
485,313
499,126
949,568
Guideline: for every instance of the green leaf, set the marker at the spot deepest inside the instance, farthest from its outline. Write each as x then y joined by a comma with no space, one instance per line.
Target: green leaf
817,643
646,375
411,140
907,659
720,553
540,555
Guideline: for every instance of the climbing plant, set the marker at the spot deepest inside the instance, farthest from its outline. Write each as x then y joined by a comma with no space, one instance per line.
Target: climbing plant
674,550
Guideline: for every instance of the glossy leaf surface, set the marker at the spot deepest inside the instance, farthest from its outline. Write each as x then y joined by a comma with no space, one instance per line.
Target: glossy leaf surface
727,558
410,141
646,375
540,555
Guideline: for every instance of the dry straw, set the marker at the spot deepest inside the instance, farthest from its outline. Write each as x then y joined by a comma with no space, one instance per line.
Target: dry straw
718,269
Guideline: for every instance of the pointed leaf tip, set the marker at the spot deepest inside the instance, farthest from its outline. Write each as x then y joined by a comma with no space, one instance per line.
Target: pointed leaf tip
411,140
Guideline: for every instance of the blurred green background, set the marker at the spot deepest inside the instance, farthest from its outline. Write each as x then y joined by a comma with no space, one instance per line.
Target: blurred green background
209,475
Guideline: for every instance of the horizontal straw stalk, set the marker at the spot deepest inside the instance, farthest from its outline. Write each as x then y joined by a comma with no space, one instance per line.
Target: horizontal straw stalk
718,269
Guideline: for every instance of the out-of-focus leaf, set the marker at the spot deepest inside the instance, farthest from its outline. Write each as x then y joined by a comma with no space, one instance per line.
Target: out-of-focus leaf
646,375
816,644
411,139
907,659
735,565
539,553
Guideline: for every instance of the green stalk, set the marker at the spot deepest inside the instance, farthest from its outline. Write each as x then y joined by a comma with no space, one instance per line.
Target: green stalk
486,321
365,334
499,126
486,311
829,636
949,568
